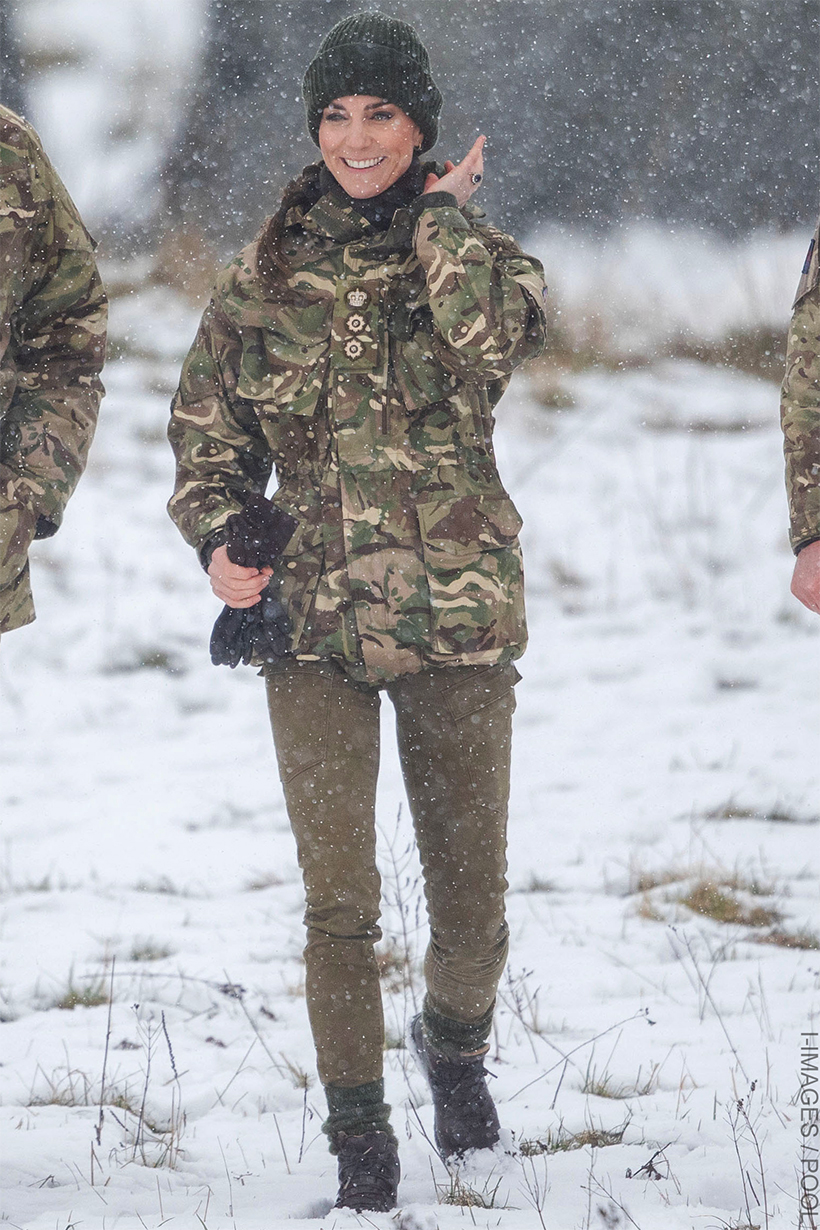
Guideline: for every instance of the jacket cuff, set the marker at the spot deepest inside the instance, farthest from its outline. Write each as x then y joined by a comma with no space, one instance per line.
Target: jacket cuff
432,200
798,547
45,528
208,547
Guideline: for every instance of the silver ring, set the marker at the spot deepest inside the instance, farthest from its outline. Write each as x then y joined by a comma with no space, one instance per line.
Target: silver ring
476,178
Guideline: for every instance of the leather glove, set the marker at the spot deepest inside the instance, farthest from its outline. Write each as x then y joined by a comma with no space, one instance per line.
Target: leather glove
256,538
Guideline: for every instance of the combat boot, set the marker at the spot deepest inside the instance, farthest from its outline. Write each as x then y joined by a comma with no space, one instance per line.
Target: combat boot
369,1172
464,1112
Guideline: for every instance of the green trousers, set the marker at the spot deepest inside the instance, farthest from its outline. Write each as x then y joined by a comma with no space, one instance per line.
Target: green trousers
454,742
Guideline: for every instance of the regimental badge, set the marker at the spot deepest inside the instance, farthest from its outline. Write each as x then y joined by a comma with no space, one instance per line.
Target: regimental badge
357,298
356,323
353,348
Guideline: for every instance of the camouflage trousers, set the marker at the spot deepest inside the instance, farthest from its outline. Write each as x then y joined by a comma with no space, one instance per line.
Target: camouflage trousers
453,727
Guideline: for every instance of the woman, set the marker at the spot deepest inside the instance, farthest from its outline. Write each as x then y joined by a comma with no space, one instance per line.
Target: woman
359,345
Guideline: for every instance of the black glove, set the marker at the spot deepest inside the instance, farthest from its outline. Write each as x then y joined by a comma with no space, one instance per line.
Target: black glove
256,538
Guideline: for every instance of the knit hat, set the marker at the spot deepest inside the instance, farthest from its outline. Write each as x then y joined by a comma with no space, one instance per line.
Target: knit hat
377,55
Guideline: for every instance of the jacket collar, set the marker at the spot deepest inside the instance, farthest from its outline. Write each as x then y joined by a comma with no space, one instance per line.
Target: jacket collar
334,215
332,218
345,219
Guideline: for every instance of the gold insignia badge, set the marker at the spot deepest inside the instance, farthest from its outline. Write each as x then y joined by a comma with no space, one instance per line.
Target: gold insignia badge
357,298
356,323
353,348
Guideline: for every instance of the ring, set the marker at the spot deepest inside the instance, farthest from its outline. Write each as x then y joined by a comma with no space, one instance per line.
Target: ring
476,178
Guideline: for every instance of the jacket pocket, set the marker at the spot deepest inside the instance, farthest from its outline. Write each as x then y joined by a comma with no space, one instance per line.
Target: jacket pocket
472,558
421,378
283,371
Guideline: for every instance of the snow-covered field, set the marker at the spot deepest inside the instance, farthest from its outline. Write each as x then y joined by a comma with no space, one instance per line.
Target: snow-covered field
666,739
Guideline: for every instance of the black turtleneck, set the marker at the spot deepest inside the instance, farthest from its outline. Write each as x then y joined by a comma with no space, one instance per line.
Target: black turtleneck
379,210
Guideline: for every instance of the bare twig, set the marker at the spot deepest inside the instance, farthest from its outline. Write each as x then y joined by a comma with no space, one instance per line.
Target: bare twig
282,1143
99,1127
607,1192
708,995
228,1176
738,1115
239,996
536,1194
641,1014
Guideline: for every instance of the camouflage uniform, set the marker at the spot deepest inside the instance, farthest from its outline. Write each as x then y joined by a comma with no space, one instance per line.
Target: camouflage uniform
52,345
369,380
800,405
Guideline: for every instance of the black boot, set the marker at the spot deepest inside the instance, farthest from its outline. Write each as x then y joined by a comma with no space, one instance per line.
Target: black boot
369,1172
464,1112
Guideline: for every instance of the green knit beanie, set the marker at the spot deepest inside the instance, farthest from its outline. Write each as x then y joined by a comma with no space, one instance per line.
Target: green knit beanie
376,55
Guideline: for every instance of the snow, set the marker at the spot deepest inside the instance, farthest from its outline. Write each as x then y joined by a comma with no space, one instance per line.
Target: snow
666,726
645,285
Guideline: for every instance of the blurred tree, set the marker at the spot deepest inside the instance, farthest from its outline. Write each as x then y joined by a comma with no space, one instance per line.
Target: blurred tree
687,111
244,136
11,70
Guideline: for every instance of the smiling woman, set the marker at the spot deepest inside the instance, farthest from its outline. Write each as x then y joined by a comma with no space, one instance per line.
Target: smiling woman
359,345
367,143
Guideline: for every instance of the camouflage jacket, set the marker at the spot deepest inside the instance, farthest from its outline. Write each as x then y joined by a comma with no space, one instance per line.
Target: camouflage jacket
368,378
52,343
800,405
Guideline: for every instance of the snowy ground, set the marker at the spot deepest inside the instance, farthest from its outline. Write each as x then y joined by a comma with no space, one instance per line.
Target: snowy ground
666,735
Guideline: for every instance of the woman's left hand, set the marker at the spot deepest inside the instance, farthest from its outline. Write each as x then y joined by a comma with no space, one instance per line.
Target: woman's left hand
463,178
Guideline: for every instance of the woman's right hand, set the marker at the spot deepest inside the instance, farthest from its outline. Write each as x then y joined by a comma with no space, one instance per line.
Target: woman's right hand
234,585
462,178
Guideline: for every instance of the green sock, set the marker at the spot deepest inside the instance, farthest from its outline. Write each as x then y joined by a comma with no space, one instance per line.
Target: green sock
355,1111
454,1038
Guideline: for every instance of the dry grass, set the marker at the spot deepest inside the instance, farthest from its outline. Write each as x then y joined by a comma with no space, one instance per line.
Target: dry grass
162,886
649,911
149,950
603,1085
268,879
395,966
71,1087
729,898
731,810
459,1192
805,939
562,1141
186,262
301,1079
718,901
92,995
757,351
145,658
643,880
538,884
578,344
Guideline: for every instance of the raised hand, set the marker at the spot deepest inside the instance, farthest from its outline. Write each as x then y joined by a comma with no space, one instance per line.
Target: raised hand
462,178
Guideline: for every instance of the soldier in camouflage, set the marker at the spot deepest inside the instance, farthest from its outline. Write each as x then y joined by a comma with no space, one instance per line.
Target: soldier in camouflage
52,346
359,345
800,416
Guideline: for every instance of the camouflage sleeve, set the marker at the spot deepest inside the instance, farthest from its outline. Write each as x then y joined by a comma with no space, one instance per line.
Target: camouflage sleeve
58,341
800,412
221,453
486,296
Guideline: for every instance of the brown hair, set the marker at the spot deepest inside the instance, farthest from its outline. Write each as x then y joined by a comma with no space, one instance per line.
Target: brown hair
272,265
